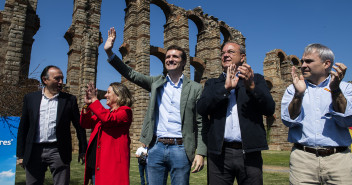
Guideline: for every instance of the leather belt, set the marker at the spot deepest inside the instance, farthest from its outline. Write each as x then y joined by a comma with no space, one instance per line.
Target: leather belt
321,151
47,144
170,141
235,145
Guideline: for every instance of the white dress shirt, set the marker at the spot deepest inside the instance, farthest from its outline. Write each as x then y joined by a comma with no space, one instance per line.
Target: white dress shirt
46,130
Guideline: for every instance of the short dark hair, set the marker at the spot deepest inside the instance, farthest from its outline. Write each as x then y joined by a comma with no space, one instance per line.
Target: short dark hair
178,48
45,72
125,96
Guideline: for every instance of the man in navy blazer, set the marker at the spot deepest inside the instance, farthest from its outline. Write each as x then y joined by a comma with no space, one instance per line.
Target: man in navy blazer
235,102
44,134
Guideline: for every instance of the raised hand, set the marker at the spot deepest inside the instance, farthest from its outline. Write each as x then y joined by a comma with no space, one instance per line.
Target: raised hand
91,93
300,86
337,75
87,99
298,82
109,44
247,74
231,77
339,101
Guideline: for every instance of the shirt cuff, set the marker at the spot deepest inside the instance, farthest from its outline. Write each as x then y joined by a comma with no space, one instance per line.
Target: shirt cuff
292,122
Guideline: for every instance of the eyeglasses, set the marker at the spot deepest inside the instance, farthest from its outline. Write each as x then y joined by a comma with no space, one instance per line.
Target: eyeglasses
230,52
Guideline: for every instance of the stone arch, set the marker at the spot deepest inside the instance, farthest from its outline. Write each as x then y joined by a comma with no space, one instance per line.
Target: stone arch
84,37
124,49
197,63
225,32
158,52
164,6
295,60
198,21
284,64
230,33
199,67
281,55
269,82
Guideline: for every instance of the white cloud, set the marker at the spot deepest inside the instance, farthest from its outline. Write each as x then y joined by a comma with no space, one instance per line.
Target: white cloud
7,174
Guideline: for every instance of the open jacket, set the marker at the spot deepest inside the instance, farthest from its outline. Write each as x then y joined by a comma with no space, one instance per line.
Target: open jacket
113,143
251,107
67,112
191,120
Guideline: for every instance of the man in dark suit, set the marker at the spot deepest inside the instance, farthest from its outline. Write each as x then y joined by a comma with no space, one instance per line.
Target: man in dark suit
44,136
235,102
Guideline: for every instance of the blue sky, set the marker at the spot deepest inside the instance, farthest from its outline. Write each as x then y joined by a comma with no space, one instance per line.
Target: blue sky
8,152
267,25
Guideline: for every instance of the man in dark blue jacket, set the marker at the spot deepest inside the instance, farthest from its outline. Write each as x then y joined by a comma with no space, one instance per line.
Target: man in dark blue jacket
235,103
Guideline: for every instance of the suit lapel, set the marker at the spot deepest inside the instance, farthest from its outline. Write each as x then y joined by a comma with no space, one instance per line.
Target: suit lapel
37,99
60,107
186,87
221,78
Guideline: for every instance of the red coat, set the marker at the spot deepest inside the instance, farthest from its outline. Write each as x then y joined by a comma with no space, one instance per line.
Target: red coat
113,143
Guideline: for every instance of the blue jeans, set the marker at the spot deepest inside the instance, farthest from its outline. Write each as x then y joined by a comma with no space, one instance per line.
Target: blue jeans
142,169
164,158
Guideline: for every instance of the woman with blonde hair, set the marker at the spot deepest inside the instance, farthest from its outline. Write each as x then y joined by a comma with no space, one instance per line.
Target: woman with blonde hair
108,152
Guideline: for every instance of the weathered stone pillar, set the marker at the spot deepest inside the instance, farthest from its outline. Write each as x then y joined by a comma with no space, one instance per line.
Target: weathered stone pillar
276,69
83,38
18,24
208,49
136,54
176,32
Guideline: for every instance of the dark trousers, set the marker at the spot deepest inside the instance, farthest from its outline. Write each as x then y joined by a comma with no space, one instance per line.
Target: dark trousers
43,156
233,164
142,171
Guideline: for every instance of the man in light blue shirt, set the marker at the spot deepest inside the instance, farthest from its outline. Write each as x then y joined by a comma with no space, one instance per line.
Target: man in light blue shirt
317,108
171,128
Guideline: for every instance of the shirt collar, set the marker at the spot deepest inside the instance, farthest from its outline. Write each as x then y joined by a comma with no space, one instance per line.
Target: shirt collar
223,73
322,84
180,81
55,96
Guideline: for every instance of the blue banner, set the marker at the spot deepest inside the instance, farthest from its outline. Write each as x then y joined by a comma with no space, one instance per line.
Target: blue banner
8,140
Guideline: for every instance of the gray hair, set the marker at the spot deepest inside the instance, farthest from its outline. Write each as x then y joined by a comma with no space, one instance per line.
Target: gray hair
242,48
324,52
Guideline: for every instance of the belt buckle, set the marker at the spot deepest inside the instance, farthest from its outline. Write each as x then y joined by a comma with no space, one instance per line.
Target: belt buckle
165,141
322,152
168,141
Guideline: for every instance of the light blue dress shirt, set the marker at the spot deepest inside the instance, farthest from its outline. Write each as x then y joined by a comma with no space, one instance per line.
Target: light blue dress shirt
168,116
232,124
318,124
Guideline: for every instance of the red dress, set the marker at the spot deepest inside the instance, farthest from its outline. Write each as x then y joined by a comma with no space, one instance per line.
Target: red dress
113,143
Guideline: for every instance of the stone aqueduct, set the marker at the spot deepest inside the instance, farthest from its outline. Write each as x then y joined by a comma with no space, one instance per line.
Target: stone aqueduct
19,23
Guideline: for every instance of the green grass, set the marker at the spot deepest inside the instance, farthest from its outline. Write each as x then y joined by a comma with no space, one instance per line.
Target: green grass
276,158
271,158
